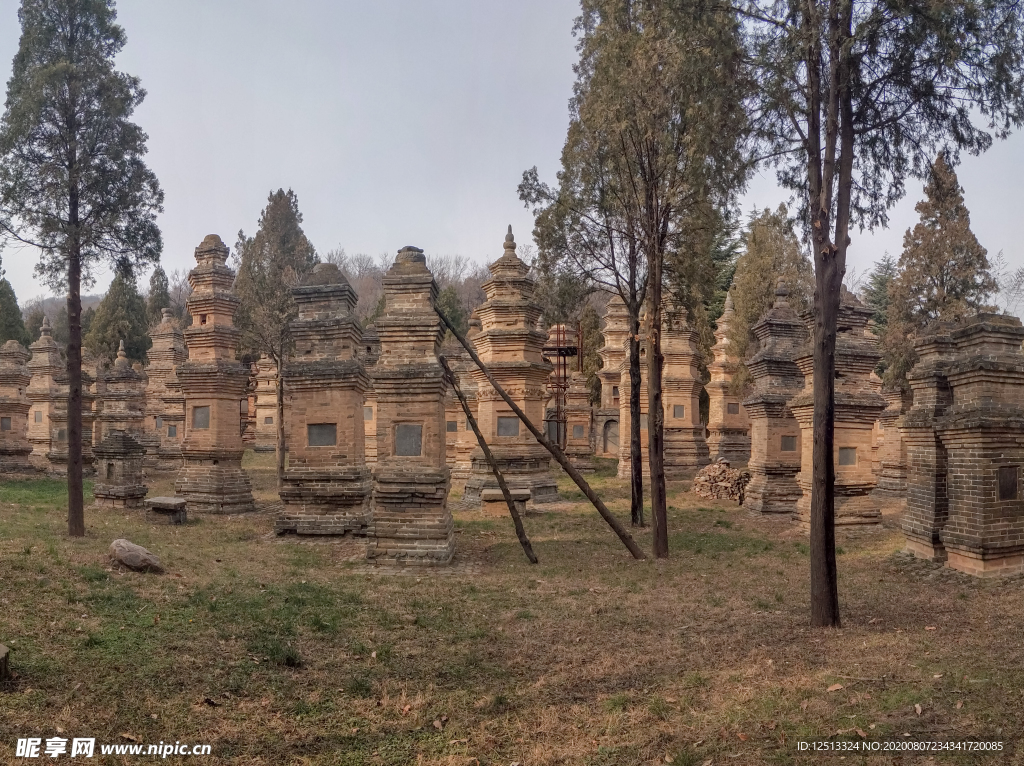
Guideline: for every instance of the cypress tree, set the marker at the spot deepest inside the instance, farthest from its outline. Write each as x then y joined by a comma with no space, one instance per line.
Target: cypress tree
159,296
121,316
12,325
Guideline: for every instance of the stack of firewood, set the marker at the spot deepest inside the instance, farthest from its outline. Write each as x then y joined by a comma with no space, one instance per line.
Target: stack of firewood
720,482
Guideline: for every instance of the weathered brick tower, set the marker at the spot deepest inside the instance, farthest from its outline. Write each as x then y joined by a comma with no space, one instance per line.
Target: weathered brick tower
326,488
511,346
579,424
14,407
625,419
686,449
369,353
774,432
266,406
211,478
119,456
410,521
606,419
892,478
964,500
165,407
728,424
857,407
43,393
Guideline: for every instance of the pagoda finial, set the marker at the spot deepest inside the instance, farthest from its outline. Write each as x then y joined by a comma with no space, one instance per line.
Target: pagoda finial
120,351
510,241
45,330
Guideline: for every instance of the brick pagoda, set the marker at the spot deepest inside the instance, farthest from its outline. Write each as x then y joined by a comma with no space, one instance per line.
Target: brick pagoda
613,352
165,406
15,447
579,424
510,345
857,407
892,478
728,424
119,456
43,394
410,520
266,406
774,432
369,353
686,448
211,478
326,487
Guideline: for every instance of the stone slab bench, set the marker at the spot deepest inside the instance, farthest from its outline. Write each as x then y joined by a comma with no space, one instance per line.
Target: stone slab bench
175,507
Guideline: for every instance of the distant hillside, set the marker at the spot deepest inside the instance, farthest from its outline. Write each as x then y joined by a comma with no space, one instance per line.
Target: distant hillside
53,305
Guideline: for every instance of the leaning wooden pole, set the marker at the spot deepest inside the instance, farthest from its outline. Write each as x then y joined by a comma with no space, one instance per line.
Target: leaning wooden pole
556,453
516,519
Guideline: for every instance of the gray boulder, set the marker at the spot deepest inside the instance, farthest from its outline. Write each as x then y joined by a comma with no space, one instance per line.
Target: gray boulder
133,556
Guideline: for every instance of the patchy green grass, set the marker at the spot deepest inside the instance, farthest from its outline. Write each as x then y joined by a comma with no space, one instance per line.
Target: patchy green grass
276,650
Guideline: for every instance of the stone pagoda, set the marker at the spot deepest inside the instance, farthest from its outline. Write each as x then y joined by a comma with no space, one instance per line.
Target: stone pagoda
43,394
119,456
165,407
892,478
625,419
15,447
606,419
579,424
511,346
728,424
686,448
774,432
369,353
410,520
266,406
857,407
58,453
211,478
969,389
326,487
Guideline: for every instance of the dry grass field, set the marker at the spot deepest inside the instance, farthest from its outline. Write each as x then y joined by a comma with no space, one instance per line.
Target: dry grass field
284,651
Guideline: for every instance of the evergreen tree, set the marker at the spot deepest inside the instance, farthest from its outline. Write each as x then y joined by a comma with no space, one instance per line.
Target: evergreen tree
876,291
770,250
121,316
12,325
943,272
449,302
269,264
159,297
72,177
34,320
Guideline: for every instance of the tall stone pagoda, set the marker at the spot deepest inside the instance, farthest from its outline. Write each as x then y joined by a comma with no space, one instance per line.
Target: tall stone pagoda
686,448
15,447
165,406
606,419
410,519
511,346
59,438
326,488
266,406
625,417
892,478
969,510
579,424
43,394
119,456
857,407
369,353
774,432
728,424
211,478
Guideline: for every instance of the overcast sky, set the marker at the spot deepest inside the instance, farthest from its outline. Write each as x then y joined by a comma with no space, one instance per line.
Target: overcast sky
397,122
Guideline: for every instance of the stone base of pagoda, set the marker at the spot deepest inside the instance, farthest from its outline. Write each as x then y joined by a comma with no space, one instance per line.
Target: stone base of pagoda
214,485
772,489
325,502
686,452
120,496
410,523
581,459
855,505
729,444
524,470
985,563
16,461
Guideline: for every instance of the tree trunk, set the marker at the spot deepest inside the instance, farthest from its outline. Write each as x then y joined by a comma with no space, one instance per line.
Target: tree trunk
76,498
636,465
280,423
656,413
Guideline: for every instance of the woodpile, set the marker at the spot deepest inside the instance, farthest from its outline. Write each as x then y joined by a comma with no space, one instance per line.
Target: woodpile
720,482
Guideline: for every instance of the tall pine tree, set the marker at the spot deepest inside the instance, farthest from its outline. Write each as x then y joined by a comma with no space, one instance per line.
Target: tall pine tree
121,316
73,182
943,272
269,264
12,325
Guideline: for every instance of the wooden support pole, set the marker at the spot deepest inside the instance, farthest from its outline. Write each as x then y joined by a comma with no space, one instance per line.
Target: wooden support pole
556,453
513,511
